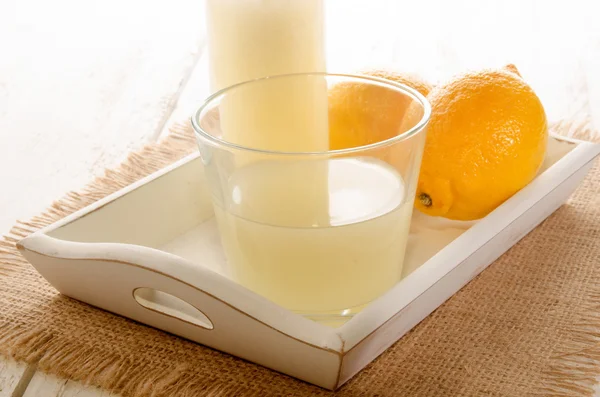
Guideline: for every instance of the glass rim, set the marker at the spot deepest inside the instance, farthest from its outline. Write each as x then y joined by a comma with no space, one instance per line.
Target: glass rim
398,87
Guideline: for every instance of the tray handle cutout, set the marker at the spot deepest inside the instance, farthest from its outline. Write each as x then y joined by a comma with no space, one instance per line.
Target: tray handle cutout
172,306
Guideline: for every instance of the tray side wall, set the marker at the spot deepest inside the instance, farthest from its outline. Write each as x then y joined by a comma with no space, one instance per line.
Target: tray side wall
378,341
149,214
110,285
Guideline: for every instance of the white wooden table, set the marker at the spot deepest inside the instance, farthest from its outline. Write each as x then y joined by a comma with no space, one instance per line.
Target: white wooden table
83,83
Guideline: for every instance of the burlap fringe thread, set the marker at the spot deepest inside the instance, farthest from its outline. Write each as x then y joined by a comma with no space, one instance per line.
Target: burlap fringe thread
66,358
573,372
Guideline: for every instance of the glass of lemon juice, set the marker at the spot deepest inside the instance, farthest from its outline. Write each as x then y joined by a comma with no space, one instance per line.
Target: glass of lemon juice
316,230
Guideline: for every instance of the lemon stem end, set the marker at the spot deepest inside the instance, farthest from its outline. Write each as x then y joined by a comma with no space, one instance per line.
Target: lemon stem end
425,199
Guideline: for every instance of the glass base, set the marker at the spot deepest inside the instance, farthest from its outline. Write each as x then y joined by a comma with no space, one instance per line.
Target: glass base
334,318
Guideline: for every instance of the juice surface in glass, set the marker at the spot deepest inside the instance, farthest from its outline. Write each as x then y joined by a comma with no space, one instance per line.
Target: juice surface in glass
307,254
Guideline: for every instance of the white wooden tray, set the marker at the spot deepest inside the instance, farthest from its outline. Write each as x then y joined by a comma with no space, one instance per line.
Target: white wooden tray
150,252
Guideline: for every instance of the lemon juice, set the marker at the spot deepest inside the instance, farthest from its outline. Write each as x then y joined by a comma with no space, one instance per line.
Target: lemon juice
312,255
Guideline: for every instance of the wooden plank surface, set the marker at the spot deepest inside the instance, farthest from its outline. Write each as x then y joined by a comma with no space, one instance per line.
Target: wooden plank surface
14,377
556,49
83,83
49,385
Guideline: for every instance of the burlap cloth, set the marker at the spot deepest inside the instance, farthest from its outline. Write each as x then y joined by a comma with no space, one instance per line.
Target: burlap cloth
528,325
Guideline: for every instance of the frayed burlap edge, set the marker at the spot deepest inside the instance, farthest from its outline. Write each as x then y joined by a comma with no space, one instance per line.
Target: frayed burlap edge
574,370
64,357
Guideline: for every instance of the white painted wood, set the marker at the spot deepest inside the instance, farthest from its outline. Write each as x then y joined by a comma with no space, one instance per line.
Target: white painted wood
13,377
82,84
150,223
75,257
193,94
44,385
245,324
555,46
438,39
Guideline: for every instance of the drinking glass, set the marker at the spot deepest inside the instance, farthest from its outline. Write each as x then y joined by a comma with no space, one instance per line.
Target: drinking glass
321,232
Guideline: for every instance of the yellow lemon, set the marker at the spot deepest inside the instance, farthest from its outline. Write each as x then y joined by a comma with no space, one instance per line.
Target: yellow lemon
361,114
486,140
